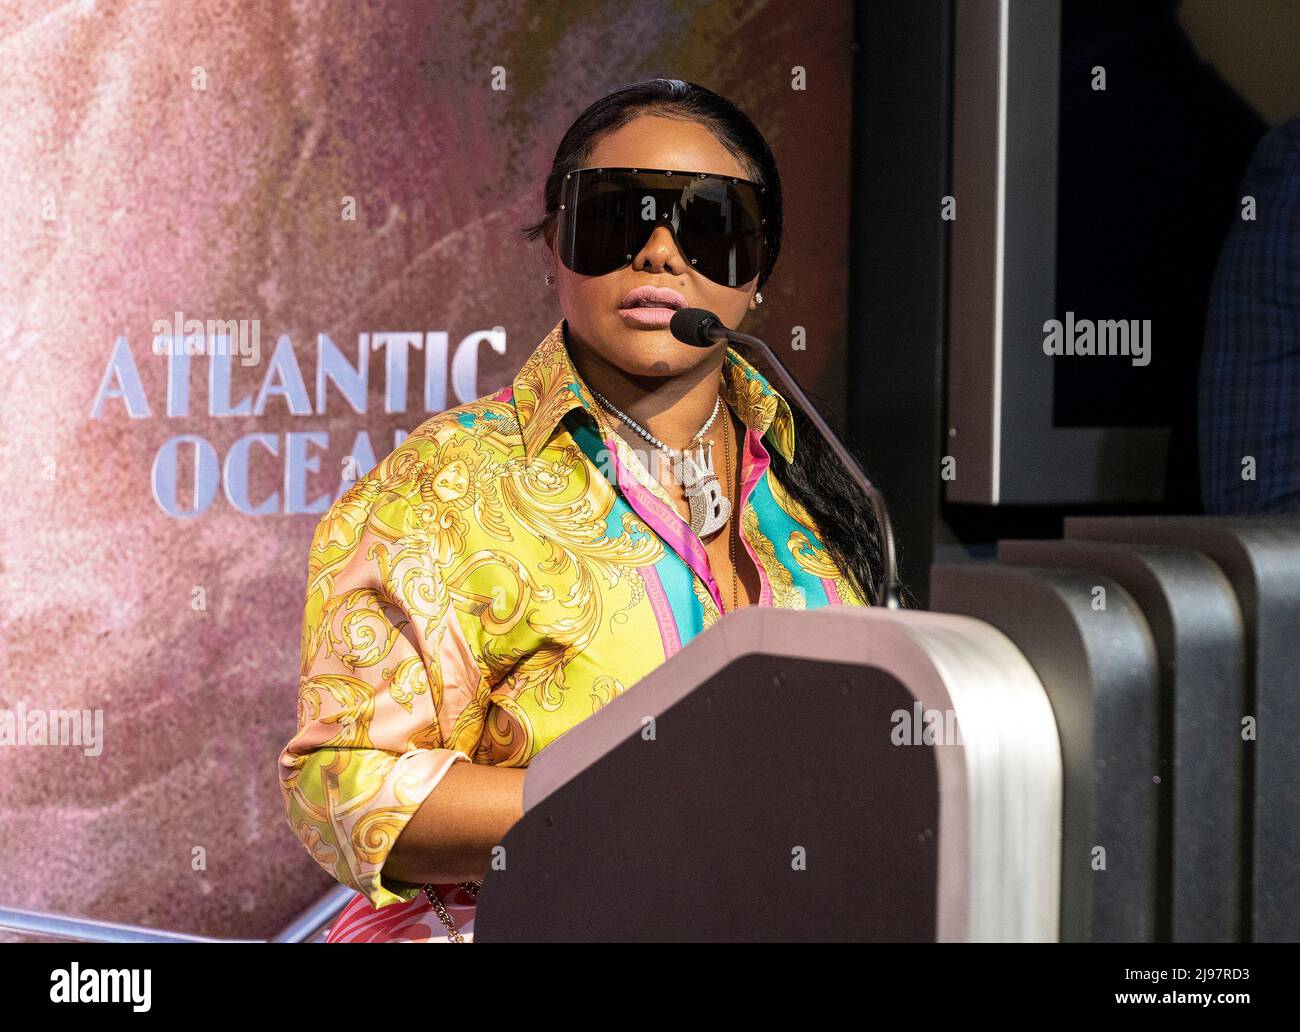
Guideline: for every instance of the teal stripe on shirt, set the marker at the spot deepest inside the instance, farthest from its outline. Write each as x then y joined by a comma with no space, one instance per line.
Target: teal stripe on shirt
777,525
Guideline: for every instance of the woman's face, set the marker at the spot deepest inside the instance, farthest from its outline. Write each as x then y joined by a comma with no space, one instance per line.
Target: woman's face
591,303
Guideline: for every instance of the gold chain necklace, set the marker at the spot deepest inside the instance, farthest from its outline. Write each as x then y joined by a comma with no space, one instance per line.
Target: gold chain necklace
432,895
692,468
727,493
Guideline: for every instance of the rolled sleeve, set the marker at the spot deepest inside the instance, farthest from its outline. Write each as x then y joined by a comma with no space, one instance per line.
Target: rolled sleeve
390,692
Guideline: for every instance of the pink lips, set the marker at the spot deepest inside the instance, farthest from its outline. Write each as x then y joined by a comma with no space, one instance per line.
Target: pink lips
650,306
657,317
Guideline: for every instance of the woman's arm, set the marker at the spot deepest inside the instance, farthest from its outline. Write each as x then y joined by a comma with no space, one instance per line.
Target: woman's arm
451,836
392,701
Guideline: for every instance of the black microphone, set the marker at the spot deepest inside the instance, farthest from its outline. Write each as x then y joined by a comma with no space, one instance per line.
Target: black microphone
703,329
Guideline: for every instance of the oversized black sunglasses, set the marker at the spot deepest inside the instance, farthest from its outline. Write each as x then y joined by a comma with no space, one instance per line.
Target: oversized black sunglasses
607,215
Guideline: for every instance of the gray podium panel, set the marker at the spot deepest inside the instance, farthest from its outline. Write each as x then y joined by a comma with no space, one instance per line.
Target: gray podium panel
1195,623
775,781
1099,671
1260,556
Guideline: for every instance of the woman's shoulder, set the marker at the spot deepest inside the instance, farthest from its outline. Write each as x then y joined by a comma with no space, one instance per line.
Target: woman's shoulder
440,462
491,416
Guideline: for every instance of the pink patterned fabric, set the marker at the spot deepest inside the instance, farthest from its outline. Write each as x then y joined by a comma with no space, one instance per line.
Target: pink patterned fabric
414,921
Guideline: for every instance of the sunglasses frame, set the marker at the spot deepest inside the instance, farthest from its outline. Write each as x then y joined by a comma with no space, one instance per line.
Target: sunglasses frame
761,192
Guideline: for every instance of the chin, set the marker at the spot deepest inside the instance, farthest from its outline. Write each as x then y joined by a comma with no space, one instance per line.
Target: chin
652,352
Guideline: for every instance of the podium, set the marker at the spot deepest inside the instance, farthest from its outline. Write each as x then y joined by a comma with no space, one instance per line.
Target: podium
1167,646
1260,558
838,774
1191,613
1100,671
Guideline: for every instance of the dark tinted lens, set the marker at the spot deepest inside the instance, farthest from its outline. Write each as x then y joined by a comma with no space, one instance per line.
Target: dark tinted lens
593,224
720,230
609,216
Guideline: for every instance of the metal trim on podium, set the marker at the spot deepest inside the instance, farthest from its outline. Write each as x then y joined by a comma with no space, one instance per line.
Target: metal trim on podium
674,811
1099,671
1196,625
1260,556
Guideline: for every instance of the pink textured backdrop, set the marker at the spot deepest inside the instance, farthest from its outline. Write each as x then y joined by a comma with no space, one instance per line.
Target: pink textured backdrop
126,195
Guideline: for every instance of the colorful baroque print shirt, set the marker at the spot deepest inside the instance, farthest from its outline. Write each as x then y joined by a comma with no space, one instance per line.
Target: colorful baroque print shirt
493,582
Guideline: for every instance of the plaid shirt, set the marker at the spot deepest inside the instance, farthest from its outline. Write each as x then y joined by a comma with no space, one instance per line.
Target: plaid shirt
1250,368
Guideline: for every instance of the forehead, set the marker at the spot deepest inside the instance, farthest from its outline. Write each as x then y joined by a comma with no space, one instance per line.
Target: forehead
652,141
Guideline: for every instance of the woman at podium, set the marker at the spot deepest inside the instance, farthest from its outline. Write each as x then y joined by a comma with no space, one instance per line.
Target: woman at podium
522,559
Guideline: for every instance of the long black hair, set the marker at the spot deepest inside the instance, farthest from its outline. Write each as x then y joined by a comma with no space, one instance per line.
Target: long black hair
816,479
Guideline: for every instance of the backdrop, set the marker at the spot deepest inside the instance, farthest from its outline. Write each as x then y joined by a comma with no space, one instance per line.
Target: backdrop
340,188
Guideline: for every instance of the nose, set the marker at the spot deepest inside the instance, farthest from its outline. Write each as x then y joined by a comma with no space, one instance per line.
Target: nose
660,253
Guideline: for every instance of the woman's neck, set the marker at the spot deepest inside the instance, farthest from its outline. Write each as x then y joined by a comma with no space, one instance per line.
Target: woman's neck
673,408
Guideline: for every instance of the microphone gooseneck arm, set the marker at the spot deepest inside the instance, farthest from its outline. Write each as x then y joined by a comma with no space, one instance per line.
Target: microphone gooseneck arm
695,326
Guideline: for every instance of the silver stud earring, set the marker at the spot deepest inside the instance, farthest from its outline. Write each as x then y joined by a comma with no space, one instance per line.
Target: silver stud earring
759,297
550,278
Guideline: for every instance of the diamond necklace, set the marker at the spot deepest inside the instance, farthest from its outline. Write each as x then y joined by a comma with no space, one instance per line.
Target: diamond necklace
693,468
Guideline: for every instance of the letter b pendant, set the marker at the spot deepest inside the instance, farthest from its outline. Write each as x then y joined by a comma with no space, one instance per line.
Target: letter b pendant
710,509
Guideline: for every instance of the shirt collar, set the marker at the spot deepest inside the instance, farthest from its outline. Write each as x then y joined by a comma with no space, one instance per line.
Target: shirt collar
548,387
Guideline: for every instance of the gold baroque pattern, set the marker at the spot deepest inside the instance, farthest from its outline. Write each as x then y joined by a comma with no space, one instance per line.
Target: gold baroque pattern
476,595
